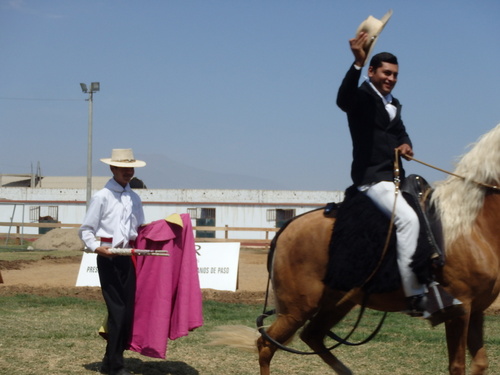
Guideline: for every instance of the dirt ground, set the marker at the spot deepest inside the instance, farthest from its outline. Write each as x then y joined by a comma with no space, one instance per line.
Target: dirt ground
57,277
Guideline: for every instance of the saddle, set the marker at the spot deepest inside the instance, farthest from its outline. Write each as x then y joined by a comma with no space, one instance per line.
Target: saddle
359,237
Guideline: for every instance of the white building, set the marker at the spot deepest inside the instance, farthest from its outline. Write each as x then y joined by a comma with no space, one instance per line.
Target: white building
219,208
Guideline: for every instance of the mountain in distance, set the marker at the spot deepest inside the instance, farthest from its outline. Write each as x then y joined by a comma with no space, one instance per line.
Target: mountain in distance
162,172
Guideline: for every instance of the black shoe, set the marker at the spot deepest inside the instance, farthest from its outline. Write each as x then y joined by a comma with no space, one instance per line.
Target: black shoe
416,305
104,369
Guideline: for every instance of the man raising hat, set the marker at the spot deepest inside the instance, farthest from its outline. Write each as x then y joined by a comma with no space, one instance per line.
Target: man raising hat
376,128
114,215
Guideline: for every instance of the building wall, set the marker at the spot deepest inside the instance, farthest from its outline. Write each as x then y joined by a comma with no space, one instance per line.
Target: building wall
234,208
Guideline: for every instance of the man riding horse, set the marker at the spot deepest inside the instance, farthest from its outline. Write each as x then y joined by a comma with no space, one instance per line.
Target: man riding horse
377,130
321,264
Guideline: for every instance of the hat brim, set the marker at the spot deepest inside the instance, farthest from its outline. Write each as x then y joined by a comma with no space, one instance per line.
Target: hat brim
124,164
371,46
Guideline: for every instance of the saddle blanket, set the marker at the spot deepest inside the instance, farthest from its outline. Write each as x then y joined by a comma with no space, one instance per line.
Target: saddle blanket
356,248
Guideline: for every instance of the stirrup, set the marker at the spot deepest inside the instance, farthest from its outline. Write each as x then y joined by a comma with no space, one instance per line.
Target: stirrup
441,306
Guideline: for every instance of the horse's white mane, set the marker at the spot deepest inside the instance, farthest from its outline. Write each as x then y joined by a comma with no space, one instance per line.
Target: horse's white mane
459,200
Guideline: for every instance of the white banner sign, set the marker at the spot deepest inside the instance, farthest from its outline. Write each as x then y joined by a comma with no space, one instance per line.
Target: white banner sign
88,276
217,266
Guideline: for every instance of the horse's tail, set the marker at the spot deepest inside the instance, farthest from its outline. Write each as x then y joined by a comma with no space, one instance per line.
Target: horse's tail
236,336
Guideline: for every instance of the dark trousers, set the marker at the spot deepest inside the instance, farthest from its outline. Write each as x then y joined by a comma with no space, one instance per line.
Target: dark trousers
117,277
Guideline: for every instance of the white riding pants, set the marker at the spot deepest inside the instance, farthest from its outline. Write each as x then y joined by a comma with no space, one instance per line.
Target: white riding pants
407,230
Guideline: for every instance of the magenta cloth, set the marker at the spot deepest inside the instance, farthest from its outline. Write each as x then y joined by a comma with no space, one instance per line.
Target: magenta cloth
168,302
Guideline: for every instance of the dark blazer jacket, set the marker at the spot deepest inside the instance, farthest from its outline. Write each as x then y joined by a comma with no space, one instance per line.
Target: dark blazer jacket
374,135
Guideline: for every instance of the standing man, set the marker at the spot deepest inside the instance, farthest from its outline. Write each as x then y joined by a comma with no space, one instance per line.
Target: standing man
114,215
377,129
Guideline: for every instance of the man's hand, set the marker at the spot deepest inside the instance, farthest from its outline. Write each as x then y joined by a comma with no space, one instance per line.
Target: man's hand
103,251
405,150
357,47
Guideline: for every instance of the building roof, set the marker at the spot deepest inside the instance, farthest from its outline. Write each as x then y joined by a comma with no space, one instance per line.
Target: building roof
51,182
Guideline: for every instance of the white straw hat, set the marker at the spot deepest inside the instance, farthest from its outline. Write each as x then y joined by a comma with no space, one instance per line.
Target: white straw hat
123,157
373,27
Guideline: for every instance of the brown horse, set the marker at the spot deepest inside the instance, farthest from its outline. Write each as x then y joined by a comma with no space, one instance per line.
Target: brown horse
470,214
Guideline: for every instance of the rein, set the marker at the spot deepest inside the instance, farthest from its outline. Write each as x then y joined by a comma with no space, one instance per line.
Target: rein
483,184
349,295
352,293
397,183
340,340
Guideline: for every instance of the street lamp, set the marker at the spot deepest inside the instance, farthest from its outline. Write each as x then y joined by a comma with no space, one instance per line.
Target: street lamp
94,87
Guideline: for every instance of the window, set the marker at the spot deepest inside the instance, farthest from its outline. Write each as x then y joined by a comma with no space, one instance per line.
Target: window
38,213
205,217
44,214
280,215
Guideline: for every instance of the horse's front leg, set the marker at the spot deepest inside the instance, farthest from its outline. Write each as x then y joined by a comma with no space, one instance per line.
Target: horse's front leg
475,344
456,338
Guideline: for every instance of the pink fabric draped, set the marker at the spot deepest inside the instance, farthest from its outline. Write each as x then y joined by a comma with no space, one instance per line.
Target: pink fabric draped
168,302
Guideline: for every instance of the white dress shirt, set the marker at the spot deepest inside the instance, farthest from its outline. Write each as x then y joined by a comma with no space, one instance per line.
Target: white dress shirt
114,212
387,99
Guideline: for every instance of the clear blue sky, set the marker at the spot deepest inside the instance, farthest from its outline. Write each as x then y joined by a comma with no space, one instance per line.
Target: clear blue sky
235,94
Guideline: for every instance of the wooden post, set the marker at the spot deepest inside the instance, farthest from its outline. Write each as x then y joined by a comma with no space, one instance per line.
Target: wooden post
18,237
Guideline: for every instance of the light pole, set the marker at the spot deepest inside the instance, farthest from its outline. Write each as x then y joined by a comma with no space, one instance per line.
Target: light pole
94,87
